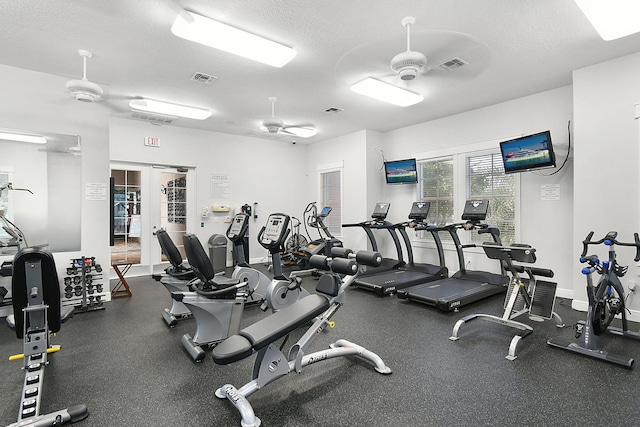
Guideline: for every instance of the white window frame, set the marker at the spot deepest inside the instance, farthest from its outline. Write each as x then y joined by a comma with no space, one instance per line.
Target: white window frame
328,168
459,155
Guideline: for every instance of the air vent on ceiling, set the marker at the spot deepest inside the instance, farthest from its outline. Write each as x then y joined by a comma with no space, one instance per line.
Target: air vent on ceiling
204,78
333,110
155,119
454,63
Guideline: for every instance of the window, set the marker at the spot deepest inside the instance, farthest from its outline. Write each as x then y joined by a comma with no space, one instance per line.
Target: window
173,207
448,181
330,183
5,179
436,180
486,180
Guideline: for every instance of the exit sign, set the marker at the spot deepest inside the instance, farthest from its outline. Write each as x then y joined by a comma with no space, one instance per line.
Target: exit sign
151,141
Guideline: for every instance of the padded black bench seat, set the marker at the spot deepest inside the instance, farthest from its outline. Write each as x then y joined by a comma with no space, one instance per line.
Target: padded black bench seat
269,329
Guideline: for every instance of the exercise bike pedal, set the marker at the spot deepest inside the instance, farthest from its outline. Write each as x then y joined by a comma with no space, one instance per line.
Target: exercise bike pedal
579,327
615,305
295,284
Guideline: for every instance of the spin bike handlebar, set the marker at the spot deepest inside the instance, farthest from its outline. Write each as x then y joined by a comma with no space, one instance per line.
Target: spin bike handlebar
609,240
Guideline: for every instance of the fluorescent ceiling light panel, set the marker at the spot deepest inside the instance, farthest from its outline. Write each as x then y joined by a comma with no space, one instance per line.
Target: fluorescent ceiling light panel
199,29
19,137
169,109
612,19
386,92
301,132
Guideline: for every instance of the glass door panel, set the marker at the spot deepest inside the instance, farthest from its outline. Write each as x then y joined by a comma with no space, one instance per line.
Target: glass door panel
127,209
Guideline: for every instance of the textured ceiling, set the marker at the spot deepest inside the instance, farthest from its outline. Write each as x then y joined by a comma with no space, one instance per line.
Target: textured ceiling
514,48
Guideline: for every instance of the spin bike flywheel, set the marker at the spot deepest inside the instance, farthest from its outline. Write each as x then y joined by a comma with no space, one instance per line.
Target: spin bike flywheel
605,311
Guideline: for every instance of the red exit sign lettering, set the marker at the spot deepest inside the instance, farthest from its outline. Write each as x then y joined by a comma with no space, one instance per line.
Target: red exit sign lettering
151,141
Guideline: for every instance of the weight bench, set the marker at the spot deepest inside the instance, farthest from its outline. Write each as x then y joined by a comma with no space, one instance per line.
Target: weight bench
532,296
317,309
36,301
177,278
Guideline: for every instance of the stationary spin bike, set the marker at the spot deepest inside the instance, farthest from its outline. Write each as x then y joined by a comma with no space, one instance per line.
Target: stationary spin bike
606,301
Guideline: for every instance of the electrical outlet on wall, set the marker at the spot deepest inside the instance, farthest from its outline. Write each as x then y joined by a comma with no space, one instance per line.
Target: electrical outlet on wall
632,286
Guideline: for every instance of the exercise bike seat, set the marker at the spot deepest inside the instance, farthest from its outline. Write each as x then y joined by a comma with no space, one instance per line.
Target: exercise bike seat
269,329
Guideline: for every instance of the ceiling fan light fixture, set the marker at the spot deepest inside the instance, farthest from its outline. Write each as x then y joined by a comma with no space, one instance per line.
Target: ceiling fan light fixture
386,92
206,31
169,109
21,137
612,19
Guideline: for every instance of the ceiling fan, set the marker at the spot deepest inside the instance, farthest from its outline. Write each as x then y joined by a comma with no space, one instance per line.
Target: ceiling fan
274,125
408,65
432,61
83,89
63,147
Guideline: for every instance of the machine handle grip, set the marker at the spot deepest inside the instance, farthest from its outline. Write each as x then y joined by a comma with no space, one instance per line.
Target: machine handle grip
585,244
50,350
544,272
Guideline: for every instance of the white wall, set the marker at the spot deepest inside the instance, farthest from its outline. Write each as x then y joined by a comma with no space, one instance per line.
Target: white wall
606,163
357,152
545,224
39,102
271,173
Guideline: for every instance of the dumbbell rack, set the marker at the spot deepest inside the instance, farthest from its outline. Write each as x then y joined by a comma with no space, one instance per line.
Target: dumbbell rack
80,286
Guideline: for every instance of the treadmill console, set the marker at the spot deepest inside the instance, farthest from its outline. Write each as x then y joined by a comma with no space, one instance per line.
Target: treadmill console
475,210
419,210
238,227
273,234
380,211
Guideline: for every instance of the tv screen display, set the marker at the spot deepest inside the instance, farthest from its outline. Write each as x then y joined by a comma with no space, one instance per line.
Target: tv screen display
528,152
401,172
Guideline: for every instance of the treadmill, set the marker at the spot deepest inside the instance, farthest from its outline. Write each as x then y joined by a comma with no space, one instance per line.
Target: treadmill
465,286
388,280
378,222
418,222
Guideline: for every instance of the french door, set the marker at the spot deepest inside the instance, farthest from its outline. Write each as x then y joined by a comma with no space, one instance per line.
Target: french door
146,198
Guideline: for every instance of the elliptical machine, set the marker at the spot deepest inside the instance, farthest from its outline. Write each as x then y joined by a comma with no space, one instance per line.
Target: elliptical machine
326,240
606,300
256,280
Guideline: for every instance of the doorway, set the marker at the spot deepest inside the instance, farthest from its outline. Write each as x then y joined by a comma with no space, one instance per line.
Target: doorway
146,198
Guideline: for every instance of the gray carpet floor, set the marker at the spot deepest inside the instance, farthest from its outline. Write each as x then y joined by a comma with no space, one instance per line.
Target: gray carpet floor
129,368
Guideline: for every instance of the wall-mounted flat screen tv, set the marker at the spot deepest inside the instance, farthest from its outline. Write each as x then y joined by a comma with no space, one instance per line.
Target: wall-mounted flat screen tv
401,171
528,153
